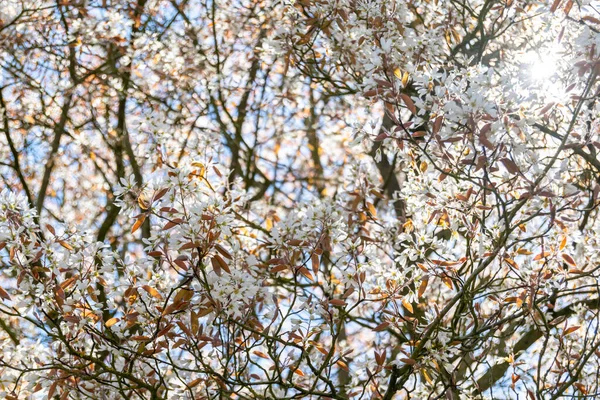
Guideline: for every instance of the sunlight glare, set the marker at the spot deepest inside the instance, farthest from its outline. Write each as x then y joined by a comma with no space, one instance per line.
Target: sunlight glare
542,66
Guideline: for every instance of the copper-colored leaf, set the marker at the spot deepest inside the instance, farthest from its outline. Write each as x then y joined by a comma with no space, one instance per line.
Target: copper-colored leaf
437,124
576,271
183,295
165,330
381,137
569,259
201,167
510,165
581,387
204,311
67,283
173,223
563,243
4,294
427,377
512,299
52,389
371,209
524,251
295,242
139,338
51,229
448,282
314,258
409,103
111,322
223,251
591,19
138,223
371,93
153,292
571,329
342,365
408,306
306,273
381,326
423,286
188,245
222,264
195,383
405,77
65,245
278,268
337,302
348,292
159,195
298,371
261,354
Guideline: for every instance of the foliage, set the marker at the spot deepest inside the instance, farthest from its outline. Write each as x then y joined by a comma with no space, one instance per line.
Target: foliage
300,199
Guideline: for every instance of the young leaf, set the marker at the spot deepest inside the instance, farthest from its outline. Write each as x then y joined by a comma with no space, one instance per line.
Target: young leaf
381,326
4,294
